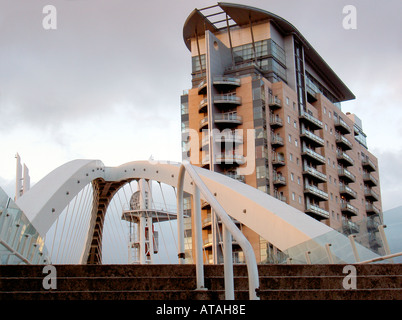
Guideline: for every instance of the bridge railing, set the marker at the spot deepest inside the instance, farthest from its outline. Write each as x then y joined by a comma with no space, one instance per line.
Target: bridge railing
229,230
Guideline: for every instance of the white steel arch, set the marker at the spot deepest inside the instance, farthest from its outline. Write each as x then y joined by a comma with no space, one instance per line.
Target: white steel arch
275,221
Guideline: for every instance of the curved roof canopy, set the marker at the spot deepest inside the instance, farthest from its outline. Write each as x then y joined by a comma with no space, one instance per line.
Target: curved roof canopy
197,23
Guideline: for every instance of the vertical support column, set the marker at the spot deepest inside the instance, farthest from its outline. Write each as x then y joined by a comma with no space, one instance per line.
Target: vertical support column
198,238
384,240
228,264
142,222
180,218
150,239
329,253
307,255
354,249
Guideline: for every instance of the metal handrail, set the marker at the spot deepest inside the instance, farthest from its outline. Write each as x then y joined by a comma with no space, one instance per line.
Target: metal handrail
229,229
388,256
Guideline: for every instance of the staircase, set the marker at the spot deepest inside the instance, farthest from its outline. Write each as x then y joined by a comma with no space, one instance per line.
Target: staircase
177,282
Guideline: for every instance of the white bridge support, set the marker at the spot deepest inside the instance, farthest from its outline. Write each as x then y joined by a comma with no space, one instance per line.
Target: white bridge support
229,227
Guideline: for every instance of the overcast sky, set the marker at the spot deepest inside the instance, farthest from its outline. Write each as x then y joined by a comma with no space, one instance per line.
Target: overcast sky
106,84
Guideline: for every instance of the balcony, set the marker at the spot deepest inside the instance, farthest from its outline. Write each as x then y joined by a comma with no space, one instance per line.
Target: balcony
276,140
370,194
342,142
342,126
202,107
369,179
314,174
371,209
347,192
348,209
313,139
275,121
204,123
229,159
228,119
279,180
316,211
227,100
313,156
346,175
368,164
312,121
343,158
202,87
349,227
278,159
226,82
235,176
315,192
279,195
228,137
275,102
221,82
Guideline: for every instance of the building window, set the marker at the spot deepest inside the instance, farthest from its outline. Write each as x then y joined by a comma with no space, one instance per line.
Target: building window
290,138
292,176
291,157
288,119
300,199
287,100
293,196
296,143
294,124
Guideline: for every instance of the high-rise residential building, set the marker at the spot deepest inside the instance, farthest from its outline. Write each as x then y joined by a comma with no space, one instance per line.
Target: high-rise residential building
265,109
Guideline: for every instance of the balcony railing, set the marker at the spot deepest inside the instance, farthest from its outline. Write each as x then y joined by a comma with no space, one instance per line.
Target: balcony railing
203,105
316,140
312,208
347,191
314,155
316,192
222,80
315,173
368,164
275,102
235,176
372,209
227,98
276,140
344,158
350,227
279,195
370,194
229,158
317,124
342,141
279,179
346,175
341,125
348,208
278,159
275,120
229,117
369,179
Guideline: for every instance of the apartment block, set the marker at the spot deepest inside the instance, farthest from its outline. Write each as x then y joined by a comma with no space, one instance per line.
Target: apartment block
264,108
